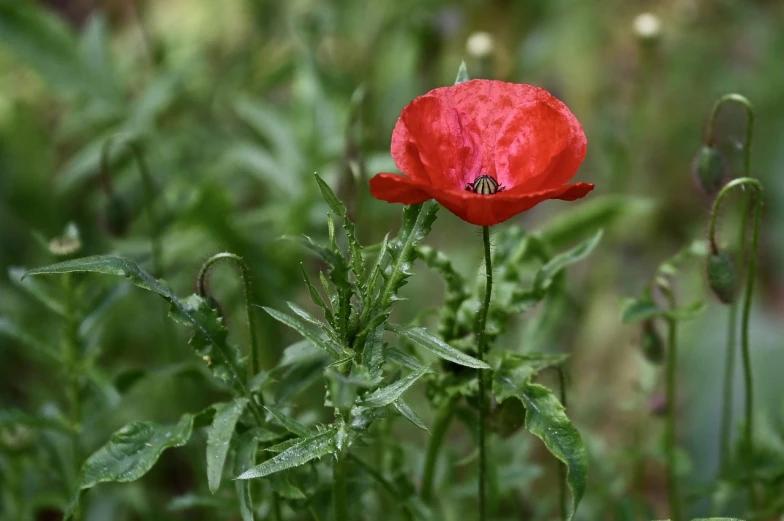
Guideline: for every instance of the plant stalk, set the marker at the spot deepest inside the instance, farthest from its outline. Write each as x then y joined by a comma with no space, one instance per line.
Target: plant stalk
481,349
201,289
745,349
440,429
670,443
748,440
561,466
339,488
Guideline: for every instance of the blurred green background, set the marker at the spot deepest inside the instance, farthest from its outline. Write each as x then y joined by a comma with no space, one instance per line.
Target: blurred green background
238,102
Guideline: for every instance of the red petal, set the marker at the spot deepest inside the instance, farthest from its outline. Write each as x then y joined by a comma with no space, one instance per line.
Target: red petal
430,145
542,146
487,210
394,188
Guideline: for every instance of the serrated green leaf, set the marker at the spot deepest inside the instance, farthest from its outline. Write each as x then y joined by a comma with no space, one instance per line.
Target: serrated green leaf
300,328
219,436
515,371
462,73
210,340
438,347
244,459
417,221
130,453
315,296
316,446
386,395
206,327
546,418
288,423
547,273
408,413
355,248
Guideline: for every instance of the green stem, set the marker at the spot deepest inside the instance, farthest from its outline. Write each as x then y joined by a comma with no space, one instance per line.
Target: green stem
440,428
729,367
746,351
750,279
339,488
670,437
710,138
201,289
481,348
71,355
133,146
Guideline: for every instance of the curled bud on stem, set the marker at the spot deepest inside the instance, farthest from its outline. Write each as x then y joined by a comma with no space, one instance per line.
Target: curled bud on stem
722,279
709,170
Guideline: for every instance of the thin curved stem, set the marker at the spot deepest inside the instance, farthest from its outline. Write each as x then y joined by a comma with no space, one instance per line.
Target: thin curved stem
481,346
443,420
671,433
201,289
709,133
745,350
748,440
741,181
133,146
729,365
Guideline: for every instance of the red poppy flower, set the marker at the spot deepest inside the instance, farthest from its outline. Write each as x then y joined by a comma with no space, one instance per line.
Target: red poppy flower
450,140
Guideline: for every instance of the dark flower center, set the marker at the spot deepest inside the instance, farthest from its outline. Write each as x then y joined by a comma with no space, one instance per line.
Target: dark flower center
485,185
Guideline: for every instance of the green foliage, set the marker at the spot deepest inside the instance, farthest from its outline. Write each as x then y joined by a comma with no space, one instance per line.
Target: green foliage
219,437
312,447
130,454
545,415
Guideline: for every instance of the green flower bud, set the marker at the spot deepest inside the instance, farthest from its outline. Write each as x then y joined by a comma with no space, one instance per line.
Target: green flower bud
652,343
709,170
116,219
721,277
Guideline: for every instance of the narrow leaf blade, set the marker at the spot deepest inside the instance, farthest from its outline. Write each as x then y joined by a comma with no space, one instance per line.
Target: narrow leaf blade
219,437
308,449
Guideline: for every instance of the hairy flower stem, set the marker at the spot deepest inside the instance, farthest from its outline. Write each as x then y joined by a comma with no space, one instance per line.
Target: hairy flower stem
201,289
729,364
756,202
481,348
339,488
729,368
443,420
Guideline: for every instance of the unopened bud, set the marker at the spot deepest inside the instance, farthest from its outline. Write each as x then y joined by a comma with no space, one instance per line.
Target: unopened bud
709,170
480,44
652,343
721,277
647,27
67,244
115,218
